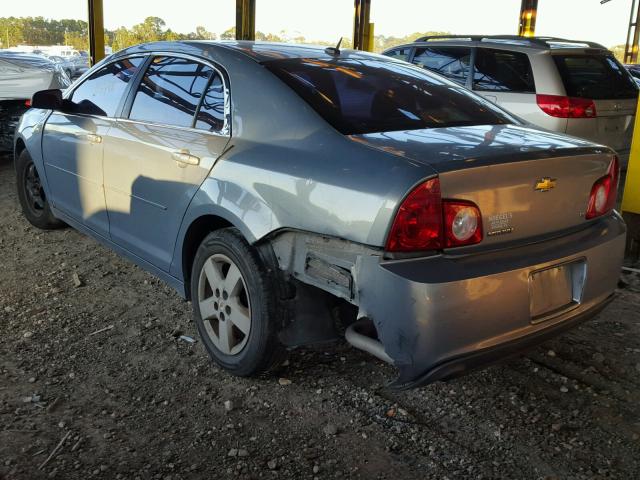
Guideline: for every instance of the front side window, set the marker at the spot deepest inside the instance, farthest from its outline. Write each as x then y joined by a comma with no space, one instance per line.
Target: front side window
400,53
452,62
359,96
101,93
170,91
503,71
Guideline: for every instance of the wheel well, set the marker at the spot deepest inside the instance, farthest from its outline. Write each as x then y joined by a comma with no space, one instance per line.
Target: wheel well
197,231
20,146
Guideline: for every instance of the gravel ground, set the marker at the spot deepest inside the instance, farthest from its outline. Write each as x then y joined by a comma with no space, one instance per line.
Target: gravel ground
92,370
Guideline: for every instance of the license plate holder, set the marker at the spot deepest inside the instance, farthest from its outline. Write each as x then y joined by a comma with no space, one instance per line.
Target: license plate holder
556,289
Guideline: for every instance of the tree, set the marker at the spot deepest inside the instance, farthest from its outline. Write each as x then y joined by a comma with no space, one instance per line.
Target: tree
151,30
123,38
203,34
618,52
228,34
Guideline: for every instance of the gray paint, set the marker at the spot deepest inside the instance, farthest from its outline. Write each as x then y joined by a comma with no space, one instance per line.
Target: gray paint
282,175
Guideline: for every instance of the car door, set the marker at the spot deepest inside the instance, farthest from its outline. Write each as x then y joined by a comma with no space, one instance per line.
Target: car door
72,144
506,78
157,158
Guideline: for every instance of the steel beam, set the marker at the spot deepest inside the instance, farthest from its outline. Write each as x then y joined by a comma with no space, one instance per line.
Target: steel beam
528,14
362,32
96,31
245,19
633,34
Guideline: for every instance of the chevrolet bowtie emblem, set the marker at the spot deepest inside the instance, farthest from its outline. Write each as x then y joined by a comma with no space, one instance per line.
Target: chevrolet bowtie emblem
545,184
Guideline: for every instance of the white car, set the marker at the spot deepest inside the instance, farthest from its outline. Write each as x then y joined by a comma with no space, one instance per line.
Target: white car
21,75
566,86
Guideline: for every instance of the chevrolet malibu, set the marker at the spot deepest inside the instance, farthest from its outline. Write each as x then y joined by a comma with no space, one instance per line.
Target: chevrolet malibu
297,194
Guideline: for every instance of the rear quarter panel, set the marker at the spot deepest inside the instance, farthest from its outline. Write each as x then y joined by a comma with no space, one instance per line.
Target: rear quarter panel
286,168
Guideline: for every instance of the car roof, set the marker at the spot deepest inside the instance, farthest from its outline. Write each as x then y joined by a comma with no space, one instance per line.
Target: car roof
25,59
256,50
510,42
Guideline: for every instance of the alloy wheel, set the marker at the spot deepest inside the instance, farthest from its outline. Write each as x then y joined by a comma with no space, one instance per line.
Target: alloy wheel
224,304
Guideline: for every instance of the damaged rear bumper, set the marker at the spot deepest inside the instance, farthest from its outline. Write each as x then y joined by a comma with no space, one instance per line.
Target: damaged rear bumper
461,365
441,316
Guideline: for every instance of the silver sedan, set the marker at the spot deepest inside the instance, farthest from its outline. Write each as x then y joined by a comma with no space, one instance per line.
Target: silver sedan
296,194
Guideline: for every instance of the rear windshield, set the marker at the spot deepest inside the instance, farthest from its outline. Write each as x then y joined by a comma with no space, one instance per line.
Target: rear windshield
598,77
359,96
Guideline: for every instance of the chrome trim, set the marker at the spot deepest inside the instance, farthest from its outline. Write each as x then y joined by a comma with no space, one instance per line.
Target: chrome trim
226,128
173,127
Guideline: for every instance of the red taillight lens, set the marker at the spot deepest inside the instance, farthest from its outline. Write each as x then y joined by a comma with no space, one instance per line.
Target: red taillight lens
566,107
418,224
27,103
426,222
463,223
604,192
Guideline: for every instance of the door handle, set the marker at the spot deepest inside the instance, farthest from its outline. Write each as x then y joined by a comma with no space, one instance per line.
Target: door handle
93,138
185,158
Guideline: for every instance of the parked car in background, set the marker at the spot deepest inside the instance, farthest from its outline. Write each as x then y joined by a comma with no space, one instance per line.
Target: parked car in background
285,188
566,86
634,70
21,75
80,62
67,64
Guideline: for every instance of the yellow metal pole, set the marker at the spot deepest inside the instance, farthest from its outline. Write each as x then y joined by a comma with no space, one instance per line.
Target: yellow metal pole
370,38
631,195
245,19
528,14
361,24
96,31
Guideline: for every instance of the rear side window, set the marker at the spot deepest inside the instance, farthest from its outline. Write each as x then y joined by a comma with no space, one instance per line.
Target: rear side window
400,53
100,94
598,77
503,71
170,91
211,113
368,95
452,62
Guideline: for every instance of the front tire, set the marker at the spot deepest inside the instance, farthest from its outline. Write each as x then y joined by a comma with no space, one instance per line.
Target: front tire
235,305
33,200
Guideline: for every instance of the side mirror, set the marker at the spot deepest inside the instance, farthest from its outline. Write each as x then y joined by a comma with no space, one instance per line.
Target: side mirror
47,99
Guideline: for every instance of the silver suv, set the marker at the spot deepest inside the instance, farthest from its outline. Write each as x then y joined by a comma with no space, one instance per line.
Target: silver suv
565,86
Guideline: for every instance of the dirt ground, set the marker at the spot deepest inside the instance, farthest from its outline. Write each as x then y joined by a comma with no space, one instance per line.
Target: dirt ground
96,374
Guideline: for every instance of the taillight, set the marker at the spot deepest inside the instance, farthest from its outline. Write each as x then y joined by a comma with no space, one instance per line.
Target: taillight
463,223
27,103
418,224
566,107
604,192
426,222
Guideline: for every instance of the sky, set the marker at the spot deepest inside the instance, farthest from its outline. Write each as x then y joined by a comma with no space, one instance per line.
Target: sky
330,19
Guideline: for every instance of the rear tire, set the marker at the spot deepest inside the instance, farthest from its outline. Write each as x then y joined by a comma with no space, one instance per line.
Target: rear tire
235,305
33,200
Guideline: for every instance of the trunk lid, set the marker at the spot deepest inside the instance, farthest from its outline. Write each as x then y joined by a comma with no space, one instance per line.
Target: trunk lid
527,183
